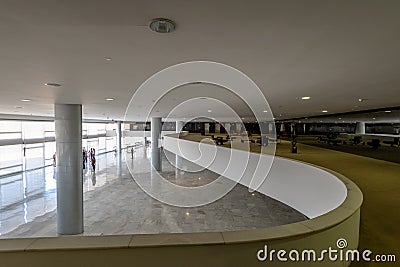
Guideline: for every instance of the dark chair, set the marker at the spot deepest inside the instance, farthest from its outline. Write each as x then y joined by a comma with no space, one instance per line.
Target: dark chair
392,143
356,140
375,143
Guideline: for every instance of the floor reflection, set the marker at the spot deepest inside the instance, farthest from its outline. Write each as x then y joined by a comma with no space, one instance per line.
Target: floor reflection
25,196
115,204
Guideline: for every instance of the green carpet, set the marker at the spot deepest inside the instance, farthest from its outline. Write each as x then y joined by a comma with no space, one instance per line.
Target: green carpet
380,183
384,152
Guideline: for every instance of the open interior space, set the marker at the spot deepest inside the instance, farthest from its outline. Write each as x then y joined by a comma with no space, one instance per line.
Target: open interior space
201,133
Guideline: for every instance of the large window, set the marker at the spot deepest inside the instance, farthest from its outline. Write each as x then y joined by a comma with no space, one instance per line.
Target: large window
11,151
29,145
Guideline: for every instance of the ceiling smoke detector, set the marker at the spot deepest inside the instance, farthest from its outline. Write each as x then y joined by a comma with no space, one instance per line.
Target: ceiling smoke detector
162,25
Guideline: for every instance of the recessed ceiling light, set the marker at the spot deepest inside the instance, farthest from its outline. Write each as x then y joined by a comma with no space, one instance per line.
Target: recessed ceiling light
187,213
324,111
388,111
162,25
374,118
18,107
53,84
360,100
108,58
25,100
339,118
110,99
209,110
306,97
265,111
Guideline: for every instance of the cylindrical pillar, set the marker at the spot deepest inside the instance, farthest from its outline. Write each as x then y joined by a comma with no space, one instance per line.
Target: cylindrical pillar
68,132
238,127
119,136
156,126
206,128
360,127
228,128
217,127
179,126
292,129
178,166
264,128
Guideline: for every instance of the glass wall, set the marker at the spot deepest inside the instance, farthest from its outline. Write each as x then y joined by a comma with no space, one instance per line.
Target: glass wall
11,150
29,145
26,147
10,159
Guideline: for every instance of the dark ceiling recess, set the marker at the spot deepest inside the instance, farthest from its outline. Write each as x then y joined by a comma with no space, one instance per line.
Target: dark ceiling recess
335,115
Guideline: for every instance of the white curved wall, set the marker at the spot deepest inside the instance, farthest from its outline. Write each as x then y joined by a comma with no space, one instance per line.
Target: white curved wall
310,190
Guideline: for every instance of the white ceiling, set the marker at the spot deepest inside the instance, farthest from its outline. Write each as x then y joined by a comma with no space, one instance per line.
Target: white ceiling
334,51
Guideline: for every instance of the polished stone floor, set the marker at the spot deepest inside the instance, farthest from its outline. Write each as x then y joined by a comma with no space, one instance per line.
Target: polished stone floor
115,204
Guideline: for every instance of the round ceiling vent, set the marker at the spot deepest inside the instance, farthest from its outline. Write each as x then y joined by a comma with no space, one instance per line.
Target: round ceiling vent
162,25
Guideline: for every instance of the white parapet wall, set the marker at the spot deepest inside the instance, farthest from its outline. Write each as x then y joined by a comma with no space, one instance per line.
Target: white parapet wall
308,189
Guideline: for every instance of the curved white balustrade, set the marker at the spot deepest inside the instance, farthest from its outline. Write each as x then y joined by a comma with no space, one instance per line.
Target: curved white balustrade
308,189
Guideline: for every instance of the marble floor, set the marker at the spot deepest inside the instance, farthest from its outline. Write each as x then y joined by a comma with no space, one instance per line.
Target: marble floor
115,204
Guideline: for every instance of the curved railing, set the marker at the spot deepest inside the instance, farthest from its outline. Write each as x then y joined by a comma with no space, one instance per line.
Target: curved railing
308,189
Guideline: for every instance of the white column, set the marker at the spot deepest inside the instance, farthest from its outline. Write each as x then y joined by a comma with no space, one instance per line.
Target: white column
228,128
68,132
155,146
179,126
207,128
292,128
360,127
119,136
264,127
271,127
238,127
178,159
217,127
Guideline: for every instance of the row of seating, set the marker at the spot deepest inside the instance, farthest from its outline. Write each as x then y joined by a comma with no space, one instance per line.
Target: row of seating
334,139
